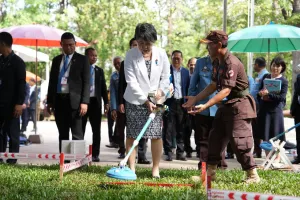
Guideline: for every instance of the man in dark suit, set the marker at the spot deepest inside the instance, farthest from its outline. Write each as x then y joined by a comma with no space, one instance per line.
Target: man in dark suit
98,91
295,112
12,95
69,89
32,102
177,114
25,105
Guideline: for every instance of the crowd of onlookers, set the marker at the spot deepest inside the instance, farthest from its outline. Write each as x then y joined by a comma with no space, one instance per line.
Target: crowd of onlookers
77,89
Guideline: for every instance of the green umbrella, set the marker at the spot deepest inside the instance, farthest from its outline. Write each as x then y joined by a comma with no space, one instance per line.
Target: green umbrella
266,38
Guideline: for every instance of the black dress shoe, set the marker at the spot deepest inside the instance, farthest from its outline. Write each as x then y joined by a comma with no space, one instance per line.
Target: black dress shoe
200,165
182,158
296,161
169,158
121,155
95,159
11,161
189,155
112,145
229,156
156,177
257,155
143,161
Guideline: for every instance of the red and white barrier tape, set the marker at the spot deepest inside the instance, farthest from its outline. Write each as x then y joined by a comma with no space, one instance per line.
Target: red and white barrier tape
225,194
77,164
40,156
213,194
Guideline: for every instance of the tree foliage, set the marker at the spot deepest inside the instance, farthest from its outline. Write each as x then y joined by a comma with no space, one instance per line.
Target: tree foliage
109,25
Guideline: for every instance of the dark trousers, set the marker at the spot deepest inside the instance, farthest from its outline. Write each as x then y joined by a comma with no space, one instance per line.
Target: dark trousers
94,114
236,131
189,126
202,131
110,124
10,128
32,116
175,121
164,132
164,129
120,131
142,149
229,149
25,119
66,118
257,139
297,120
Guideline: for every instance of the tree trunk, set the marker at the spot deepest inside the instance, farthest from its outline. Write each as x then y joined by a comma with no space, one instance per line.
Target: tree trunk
296,6
170,27
62,6
2,10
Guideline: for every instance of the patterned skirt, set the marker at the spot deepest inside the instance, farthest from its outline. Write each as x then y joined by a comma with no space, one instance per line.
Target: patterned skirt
136,118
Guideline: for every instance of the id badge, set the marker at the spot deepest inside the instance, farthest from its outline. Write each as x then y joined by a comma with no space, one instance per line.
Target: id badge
91,88
64,80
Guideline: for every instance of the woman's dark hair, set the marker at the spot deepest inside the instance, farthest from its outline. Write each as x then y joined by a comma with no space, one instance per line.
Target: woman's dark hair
260,61
279,61
145,31
131,41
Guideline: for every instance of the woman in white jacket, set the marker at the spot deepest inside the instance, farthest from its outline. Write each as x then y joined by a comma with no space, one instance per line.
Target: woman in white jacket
147,69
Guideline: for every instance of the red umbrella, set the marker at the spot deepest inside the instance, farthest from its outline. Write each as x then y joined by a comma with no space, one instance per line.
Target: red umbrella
38,35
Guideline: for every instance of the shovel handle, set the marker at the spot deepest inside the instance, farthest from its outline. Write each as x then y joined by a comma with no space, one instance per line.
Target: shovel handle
286,131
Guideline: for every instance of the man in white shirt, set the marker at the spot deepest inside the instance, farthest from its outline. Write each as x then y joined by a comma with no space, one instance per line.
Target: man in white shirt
177,114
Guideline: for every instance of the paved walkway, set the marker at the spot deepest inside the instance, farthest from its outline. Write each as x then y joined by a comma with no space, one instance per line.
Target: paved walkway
109,156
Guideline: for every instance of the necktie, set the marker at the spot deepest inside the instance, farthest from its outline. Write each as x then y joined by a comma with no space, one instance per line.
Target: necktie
62,73
92,71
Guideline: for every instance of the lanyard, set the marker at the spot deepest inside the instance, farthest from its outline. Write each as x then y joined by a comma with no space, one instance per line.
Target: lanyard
65,65
92,71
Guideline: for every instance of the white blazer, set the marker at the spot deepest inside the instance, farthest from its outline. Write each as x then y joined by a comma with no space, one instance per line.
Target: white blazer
136,75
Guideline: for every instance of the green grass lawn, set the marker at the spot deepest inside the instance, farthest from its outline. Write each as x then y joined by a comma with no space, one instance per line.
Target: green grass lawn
42,182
